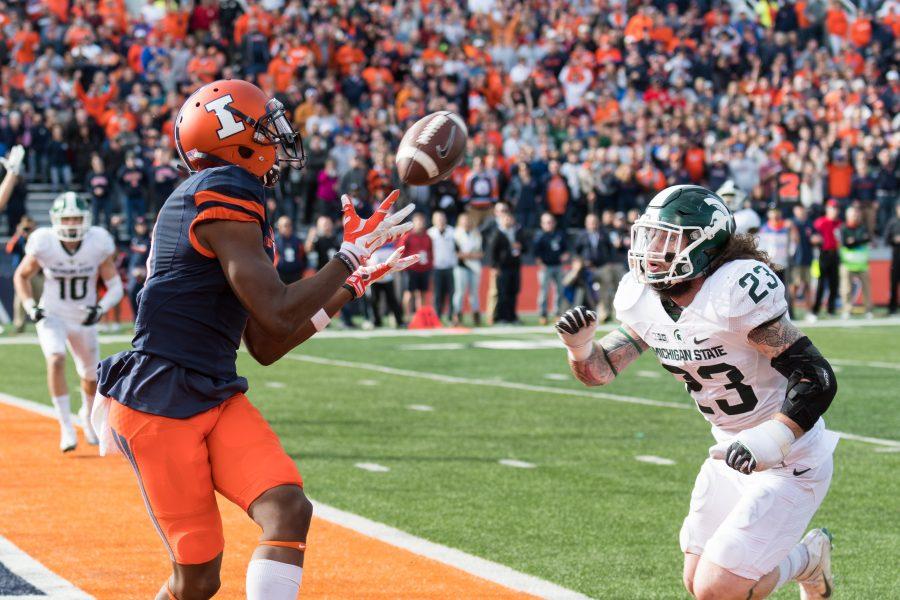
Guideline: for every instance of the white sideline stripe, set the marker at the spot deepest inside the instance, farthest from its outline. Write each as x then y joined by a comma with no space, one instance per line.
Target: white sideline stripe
864,363
275,385
24,566
369,382
540,389
337,334
519,464
869,440
486,382
421,407
372,467
463,561
474,565
654,460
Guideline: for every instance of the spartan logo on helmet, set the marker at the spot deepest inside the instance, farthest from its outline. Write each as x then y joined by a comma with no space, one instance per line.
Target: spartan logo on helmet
684,228
70,217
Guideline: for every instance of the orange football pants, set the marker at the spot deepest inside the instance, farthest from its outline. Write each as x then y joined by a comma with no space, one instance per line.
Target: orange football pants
180,463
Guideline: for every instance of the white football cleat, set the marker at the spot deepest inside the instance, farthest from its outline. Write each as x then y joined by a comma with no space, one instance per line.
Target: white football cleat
816,580
68,439
89,433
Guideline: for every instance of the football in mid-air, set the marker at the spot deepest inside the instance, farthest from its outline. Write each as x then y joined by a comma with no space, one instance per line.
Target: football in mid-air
431,148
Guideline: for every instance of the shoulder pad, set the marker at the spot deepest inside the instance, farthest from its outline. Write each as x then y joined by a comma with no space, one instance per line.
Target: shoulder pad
104,239
39,240
628,293
746,294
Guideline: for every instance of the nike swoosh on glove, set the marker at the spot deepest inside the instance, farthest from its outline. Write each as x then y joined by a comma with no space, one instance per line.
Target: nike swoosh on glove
756,449
366,275
363,236
576,329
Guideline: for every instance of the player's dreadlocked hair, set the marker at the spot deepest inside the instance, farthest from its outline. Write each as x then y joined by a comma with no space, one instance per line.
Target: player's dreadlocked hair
739,246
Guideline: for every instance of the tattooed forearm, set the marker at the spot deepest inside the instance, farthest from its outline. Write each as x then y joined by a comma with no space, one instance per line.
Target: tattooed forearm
613,353
774,337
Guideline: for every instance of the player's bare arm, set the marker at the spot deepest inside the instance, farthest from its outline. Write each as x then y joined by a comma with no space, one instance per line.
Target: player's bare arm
266,349
27,269
597,363
13,165
275,309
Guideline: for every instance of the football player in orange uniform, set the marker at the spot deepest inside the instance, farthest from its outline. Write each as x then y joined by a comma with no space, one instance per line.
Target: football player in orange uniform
174,405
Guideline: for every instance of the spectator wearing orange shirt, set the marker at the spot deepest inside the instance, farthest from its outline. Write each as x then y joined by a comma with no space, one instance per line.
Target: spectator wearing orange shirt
840,177
24,44
861,31
349,54
206,64
836,25
280,71
95,100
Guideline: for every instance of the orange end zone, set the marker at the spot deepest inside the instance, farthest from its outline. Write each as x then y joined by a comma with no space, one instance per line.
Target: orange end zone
82,517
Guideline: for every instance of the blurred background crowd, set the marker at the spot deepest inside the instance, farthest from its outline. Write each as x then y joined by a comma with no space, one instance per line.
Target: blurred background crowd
579,111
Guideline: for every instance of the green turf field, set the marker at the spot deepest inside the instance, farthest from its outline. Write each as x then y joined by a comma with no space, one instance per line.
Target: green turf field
588,515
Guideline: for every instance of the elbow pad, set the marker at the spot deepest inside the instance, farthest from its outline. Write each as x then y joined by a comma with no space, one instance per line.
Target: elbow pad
114,293
811,382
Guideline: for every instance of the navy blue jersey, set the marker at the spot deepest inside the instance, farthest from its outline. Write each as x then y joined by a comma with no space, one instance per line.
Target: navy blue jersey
189,322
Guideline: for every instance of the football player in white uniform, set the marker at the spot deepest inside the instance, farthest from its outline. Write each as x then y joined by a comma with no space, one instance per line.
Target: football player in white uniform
72,255
711,309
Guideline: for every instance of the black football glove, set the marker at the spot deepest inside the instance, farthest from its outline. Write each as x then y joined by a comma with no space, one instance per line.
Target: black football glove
93,315
36,314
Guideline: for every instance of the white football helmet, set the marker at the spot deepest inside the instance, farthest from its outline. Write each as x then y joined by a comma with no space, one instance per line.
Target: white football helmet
70,217
732,195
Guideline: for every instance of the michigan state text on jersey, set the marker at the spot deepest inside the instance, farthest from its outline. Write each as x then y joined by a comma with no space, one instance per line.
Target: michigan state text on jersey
72,255
175,405
709,305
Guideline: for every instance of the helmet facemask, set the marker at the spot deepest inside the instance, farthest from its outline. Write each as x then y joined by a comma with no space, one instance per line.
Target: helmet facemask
660,253
274,129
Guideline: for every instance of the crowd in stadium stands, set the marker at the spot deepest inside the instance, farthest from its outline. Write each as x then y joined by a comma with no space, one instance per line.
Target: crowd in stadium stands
578,112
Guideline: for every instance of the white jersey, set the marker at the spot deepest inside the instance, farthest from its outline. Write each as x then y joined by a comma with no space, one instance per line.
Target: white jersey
735,387
70,279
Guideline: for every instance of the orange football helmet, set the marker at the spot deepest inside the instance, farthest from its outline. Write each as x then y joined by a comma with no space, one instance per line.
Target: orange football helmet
232,121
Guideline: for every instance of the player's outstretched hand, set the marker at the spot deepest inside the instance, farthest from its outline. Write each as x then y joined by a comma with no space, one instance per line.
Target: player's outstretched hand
756,449
576,329
93,315
366,275
13,162
363,236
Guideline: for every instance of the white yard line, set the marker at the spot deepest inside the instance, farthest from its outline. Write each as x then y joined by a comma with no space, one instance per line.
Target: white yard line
372,467
52,585
474,565
865,363
498,330
654,460
518,464
539,389
486,382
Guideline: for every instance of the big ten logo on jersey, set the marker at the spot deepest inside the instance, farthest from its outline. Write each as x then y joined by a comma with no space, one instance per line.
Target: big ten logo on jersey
230,125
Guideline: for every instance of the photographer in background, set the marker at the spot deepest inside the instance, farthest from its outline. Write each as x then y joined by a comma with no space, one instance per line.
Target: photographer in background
15,247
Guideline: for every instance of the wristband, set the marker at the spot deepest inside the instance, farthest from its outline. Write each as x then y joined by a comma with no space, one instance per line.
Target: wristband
350,289
580,353
320,320
348,261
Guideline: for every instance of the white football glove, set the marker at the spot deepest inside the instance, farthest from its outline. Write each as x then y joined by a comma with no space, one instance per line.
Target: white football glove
576,329
756,449
13,162
363,236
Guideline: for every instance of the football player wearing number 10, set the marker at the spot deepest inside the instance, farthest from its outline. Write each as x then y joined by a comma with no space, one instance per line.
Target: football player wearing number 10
711,309
72,255
174,405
